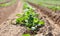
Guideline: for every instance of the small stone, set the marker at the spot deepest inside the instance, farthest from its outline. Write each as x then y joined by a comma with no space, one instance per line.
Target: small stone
33,28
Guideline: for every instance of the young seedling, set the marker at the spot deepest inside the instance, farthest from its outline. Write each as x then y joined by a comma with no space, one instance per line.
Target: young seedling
29,19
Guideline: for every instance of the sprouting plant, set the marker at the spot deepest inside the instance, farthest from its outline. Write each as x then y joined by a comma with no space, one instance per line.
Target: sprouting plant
29,18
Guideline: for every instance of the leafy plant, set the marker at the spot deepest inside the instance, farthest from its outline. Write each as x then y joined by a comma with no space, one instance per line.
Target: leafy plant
29,18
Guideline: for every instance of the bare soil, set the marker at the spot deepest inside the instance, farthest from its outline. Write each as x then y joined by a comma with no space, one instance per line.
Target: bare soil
6,11
8,29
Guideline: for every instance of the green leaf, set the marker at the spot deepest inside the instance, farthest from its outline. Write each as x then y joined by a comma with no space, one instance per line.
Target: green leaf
25,6
26,35
27,13
35,20
19,20
41,22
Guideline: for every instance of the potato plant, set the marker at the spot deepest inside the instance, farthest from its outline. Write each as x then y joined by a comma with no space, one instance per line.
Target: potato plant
29,18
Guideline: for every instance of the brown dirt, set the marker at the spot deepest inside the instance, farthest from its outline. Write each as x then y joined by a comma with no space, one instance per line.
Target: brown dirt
6,11
6,28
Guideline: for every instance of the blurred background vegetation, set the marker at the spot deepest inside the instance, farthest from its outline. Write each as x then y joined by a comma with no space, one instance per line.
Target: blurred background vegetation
52,4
